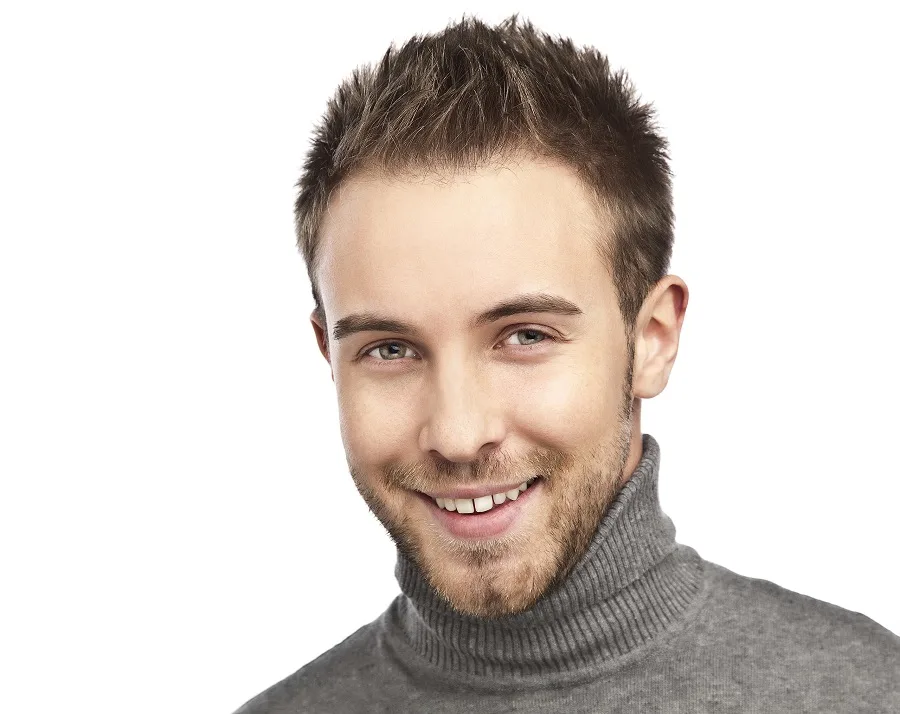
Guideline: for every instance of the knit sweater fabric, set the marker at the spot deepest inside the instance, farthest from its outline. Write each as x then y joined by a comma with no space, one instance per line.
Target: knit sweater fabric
641,624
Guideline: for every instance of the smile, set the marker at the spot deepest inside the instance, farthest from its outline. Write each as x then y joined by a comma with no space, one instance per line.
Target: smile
487,516
480,504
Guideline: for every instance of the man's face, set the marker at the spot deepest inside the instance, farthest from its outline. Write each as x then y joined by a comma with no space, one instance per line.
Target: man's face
454,406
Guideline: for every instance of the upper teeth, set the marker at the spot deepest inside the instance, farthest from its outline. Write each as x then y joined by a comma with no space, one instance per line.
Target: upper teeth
482,503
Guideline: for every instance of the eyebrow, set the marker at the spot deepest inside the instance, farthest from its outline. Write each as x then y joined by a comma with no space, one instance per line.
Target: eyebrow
530,302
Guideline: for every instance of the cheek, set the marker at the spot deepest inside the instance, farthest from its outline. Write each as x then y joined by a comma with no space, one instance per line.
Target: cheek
375,424
569,406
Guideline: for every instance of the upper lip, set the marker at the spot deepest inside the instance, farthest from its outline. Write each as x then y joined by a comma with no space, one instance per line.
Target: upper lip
477,490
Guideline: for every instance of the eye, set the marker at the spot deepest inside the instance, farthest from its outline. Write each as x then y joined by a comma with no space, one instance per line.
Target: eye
387,351
531,334
393,350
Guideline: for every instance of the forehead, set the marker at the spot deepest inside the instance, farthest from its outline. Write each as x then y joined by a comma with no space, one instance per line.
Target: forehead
429,244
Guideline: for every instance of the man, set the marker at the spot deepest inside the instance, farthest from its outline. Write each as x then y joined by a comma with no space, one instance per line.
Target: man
486,218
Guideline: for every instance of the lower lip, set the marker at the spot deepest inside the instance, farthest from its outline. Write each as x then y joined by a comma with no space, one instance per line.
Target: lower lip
490,524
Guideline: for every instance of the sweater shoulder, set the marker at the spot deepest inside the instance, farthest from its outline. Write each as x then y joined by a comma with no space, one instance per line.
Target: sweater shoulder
789,631
326,682
764,601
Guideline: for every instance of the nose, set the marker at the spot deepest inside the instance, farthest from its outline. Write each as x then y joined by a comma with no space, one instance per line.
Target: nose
463,419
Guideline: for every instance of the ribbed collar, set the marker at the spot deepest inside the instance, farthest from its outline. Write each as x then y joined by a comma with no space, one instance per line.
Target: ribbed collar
633,583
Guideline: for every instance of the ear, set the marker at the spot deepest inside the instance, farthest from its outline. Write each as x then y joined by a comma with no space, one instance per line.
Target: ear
657,332
321,332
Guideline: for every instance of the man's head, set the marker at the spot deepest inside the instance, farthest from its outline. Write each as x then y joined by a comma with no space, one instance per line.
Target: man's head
486,220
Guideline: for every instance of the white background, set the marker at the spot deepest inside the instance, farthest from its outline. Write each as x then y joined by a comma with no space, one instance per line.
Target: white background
179,529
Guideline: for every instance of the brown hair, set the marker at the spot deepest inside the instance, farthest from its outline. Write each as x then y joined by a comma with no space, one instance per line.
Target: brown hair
474,93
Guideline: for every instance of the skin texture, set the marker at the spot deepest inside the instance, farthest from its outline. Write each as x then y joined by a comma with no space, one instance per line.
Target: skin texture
462,405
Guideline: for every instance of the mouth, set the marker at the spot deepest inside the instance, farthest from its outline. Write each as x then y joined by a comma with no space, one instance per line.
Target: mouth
485,516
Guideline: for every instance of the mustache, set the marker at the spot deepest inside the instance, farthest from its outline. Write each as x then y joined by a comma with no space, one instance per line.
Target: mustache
497,468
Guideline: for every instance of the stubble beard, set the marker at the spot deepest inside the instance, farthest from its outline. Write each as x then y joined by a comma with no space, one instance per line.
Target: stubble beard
508,575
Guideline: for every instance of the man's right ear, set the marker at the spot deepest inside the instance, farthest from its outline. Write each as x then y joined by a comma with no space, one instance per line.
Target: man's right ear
321,333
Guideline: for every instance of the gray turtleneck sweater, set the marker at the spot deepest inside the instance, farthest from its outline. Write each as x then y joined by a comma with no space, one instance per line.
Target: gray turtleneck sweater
642,624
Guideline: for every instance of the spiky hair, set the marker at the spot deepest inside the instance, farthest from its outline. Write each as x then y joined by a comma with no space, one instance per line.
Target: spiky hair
472,94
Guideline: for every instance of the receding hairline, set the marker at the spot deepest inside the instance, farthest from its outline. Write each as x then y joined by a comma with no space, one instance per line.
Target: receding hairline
597,222
602,209
450,100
